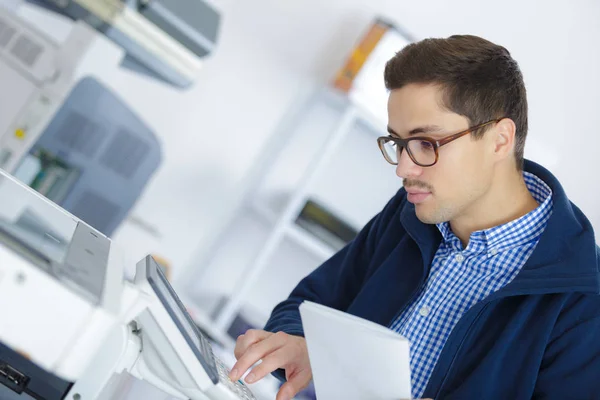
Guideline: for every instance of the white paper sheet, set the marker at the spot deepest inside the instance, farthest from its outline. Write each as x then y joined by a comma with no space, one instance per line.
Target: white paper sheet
354,359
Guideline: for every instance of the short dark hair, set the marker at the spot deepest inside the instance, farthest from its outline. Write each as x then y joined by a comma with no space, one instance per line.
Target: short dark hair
480,80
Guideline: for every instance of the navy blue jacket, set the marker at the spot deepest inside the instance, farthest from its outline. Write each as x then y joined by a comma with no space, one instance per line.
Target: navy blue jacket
538,337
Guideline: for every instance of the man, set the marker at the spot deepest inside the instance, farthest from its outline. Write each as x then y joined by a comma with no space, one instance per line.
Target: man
480,260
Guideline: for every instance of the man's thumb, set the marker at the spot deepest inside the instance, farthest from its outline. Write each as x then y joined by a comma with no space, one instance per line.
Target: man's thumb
295,383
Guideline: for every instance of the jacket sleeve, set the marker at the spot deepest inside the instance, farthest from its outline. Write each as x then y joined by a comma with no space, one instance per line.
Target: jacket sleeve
571,365
336,282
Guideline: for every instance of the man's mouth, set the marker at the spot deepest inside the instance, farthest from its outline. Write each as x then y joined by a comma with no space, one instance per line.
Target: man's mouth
417,196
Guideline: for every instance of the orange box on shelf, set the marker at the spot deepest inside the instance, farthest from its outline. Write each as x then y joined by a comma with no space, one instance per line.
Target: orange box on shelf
359,55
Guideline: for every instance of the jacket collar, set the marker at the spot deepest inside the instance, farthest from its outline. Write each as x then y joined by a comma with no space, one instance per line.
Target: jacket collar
565,259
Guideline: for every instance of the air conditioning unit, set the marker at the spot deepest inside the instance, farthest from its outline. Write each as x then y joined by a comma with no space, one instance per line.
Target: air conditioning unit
165,39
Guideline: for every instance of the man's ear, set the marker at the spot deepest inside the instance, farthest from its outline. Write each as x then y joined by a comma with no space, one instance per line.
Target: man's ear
504,138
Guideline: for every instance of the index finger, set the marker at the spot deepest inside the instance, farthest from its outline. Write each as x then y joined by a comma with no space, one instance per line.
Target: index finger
246,340
253,354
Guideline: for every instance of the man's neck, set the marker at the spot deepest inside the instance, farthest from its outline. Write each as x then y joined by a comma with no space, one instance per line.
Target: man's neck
507,200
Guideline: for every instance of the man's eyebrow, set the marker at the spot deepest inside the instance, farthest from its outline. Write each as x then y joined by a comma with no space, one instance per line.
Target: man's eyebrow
425,129
392,132
420,129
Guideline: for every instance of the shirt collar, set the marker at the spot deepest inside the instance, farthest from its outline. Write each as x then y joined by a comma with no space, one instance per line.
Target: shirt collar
515,233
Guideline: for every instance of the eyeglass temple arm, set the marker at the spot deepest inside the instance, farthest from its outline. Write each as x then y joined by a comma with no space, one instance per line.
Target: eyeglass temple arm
449,139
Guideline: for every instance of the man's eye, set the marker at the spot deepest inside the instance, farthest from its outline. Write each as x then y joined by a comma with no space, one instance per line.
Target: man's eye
425,145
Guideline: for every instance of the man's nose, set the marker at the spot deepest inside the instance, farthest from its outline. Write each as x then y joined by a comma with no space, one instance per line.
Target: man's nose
406,167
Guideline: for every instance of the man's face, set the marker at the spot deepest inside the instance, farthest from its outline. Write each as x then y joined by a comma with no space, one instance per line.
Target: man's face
464,170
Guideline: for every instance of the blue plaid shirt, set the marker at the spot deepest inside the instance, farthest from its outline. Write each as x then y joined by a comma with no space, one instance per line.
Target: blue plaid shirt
459,278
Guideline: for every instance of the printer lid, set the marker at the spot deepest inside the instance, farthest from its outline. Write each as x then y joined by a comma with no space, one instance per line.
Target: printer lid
164,39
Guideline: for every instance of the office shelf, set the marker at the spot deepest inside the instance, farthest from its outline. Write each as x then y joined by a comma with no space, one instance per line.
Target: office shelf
283,225
297,234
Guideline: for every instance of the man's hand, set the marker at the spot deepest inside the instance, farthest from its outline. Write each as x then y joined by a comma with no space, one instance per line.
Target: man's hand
276,350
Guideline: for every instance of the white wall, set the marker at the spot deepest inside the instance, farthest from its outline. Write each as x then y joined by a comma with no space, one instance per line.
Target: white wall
270,50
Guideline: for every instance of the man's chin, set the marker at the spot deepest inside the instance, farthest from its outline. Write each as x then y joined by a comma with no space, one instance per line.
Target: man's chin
427,215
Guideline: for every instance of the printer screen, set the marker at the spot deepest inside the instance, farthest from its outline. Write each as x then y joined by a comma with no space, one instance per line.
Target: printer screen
169,299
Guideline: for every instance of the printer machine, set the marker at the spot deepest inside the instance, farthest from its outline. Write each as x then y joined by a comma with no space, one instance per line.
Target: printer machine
69,321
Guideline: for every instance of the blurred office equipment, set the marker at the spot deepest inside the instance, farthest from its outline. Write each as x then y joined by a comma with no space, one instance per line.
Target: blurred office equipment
78,143
323,172
36,75
164,39
94,158
60,293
